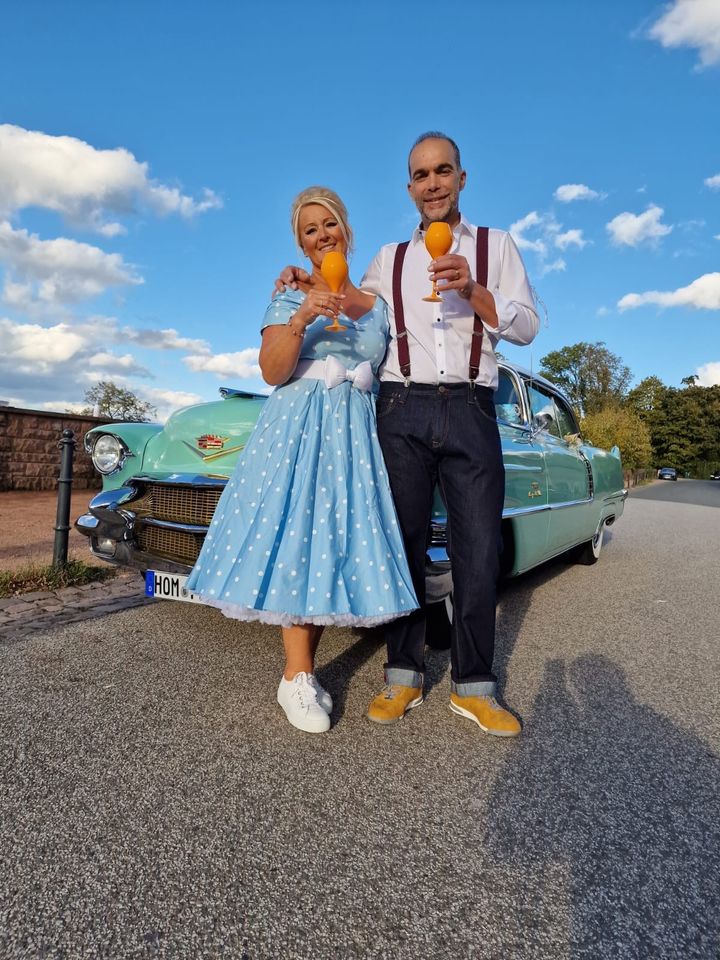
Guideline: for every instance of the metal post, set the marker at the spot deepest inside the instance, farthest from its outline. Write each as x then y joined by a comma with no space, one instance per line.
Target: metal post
62,520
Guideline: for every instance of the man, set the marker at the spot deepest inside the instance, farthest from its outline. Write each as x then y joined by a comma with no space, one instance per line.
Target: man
436,424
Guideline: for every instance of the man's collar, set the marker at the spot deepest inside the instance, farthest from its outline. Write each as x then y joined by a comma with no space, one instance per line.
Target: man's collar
464,226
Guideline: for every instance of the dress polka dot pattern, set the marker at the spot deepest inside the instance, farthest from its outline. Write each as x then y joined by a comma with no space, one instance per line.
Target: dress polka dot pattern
306,529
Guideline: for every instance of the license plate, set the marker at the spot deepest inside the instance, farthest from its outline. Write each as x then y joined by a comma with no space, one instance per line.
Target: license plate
169,586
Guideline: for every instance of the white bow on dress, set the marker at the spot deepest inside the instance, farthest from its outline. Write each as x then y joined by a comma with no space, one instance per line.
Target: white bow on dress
335,374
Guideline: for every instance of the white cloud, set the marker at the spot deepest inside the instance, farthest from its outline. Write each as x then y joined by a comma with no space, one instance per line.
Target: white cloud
691,23
717,236
242,364
540,233
57,271
713,182
556,266
701,294
41,366
168,401
568,192
571,238
82,183
106,365
168,339
520,227
708,374
32,347
631,229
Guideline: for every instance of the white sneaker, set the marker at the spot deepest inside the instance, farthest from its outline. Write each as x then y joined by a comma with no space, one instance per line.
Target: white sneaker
323,697
299,699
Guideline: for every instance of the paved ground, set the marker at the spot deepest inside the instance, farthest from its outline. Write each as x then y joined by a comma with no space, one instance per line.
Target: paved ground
154,802
27,527
43,610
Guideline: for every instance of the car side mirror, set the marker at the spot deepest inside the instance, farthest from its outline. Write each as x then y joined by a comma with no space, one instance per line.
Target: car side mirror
541,422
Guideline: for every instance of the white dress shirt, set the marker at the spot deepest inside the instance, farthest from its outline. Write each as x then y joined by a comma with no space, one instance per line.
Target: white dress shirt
440,334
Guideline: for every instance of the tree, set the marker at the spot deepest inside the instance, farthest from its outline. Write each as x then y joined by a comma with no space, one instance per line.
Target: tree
590,375
647,397
106,399
622,426
685,428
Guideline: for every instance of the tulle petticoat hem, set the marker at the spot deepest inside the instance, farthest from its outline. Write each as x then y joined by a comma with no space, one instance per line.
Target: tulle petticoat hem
236,611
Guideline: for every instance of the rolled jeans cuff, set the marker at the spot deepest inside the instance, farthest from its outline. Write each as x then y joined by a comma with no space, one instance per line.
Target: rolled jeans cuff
405,678
476,688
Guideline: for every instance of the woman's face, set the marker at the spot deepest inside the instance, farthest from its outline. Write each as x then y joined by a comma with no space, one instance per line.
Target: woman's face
320,232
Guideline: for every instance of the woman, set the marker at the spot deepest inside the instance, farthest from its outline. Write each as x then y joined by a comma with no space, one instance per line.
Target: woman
305,533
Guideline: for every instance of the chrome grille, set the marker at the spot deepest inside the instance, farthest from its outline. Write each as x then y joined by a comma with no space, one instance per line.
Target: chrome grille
177,545
183,504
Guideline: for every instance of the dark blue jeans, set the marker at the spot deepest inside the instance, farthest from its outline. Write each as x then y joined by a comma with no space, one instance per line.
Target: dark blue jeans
447,435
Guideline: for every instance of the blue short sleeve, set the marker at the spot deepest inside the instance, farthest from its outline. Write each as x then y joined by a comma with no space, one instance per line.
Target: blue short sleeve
281,308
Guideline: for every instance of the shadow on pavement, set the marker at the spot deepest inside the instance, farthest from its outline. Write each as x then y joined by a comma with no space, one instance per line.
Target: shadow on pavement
626,803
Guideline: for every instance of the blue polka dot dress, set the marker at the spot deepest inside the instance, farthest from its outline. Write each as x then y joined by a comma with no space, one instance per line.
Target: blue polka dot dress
306,529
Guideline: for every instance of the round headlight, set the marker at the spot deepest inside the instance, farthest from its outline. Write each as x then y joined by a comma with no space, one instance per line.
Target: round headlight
107,454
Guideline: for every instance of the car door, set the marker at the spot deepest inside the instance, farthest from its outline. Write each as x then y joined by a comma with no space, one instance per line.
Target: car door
526,486
568,471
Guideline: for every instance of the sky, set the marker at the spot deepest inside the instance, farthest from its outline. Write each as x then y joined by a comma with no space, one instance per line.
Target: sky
150,152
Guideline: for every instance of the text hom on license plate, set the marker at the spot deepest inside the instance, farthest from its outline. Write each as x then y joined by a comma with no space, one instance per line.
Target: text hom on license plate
168,586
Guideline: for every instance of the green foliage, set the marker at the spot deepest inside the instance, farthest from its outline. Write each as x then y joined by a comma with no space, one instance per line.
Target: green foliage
621,426
591,376
33,577
654,425
106,399
647,396
685,426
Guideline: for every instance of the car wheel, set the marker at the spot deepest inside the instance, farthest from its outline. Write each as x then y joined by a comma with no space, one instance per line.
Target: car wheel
439,624
589,553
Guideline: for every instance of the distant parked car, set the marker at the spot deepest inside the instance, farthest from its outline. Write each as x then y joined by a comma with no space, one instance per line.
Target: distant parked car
667,473
161,486
715,476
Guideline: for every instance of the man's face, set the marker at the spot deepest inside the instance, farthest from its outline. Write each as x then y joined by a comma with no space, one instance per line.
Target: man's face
435,181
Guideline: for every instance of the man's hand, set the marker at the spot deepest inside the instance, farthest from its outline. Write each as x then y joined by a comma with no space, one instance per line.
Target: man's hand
289,278
453,273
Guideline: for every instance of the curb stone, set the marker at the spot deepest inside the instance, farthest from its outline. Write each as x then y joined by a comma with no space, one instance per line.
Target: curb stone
31,612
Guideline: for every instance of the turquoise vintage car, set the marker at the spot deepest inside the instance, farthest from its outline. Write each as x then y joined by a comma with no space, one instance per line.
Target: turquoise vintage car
161,485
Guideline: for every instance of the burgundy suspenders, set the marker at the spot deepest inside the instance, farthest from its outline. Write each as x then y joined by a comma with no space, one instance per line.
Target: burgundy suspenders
481,276
402,341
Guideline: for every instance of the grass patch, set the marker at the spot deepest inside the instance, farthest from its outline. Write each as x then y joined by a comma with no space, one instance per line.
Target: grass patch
47,577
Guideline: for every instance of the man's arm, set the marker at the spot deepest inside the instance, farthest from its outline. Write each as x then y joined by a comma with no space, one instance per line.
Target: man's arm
509,311
518,321
289,278
371,282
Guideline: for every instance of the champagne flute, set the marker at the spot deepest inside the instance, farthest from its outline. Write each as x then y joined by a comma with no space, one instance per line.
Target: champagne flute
334,270
438,240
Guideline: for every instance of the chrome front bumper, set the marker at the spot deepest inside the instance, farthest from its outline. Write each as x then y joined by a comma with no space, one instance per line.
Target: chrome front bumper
114,531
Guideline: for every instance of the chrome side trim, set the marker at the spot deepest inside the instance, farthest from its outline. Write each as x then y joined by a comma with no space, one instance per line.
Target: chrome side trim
521,511
169,525
183,480
588,467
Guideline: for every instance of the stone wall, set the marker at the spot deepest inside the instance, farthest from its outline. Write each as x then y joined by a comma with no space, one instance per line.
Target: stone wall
29,451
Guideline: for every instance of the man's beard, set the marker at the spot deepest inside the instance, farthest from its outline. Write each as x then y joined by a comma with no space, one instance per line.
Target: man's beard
436,216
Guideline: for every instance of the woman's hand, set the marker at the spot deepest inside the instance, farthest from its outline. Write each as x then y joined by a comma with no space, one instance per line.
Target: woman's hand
318,303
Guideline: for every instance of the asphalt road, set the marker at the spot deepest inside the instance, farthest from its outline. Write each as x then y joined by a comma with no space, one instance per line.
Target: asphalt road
700,493
155,803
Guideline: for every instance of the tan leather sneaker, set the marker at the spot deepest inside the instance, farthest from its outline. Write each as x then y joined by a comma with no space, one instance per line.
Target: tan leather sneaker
487,714
394,702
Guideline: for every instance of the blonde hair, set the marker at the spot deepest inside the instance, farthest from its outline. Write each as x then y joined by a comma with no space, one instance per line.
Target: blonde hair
327,198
